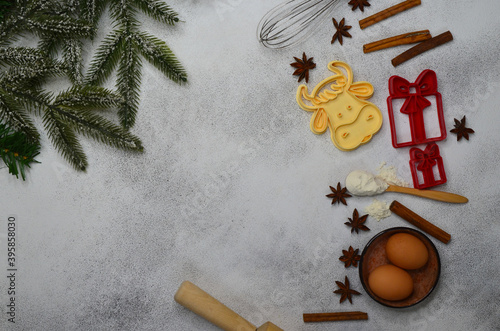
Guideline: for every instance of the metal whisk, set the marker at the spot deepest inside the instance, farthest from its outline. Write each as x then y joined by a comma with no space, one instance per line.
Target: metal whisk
293,21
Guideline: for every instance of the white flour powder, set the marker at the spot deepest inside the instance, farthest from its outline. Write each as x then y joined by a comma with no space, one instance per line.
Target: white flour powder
363,183
389,174
378,209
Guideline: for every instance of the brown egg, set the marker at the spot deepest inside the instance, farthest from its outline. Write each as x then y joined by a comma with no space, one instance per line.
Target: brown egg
390,282
406,251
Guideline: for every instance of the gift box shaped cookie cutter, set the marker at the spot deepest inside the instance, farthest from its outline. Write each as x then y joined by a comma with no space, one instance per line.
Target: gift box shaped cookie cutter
424,162
415,96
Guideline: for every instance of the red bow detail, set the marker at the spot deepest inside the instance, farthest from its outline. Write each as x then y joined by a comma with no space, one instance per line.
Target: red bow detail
426,84
427,156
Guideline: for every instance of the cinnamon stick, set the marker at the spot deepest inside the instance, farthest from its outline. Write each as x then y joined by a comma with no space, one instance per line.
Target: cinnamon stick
386,13
422,47
334,317
402,39
419,222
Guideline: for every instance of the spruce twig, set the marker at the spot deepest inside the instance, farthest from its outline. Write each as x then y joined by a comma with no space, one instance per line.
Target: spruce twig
16,151
16,116
62,27
128,85
106,58
69,113
122,48
158,10
159,54
91,11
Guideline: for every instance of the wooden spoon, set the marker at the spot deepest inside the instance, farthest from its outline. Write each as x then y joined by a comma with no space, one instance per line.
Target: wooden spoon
363,183
429,194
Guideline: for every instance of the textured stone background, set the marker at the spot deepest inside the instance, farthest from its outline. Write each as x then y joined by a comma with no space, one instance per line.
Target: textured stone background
230,192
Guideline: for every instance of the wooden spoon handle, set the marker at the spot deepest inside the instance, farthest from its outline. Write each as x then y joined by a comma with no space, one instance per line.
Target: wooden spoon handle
203,304
429,194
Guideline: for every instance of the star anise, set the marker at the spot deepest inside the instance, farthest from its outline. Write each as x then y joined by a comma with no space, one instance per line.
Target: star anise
359,3
344,291
339,195
357,222
461,130
303,66
341,30
350,257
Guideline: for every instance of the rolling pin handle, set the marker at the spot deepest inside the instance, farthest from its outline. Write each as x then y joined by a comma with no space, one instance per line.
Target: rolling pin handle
206,306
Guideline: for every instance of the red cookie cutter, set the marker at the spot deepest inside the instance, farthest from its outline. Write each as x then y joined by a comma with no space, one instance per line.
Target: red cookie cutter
425,161
415,102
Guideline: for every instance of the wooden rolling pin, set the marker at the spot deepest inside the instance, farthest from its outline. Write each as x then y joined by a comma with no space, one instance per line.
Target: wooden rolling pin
203,304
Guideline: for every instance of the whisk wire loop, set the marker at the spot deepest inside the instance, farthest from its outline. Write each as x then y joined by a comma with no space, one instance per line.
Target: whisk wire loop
292,21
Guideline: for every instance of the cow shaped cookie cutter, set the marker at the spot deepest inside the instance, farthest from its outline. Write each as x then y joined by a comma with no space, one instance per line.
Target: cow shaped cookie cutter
340,105
415,101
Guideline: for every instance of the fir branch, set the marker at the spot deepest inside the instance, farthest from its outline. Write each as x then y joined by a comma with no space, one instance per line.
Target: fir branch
73,60
159,54
91,11
62,120
56,8
50,45
64,139
158,10
106,58
17,151
33,100
128,84
61,25
12,26
33,76
124,13
21,56
130,42
58,26
100,129
40,6
20,13
16,117
88,97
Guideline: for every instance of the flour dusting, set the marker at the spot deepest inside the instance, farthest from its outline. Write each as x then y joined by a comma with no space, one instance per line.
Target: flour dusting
378,209
389,174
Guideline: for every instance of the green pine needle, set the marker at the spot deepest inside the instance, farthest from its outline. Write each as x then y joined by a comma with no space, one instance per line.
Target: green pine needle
32,100
123,13
94,126
128,84
122,48
62,26
106,58
33,75
92,10
73,60
87,97
16,151
49,45
21,56
64,139
59,26
68,115
159,54
158,10
16,117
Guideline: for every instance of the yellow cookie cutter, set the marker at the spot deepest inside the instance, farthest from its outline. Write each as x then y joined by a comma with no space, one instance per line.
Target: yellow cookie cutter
339,104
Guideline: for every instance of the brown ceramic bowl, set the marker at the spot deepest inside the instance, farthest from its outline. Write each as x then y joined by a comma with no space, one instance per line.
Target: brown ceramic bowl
424,279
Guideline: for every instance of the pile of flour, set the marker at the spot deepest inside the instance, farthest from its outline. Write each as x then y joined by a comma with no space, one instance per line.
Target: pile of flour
380,209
